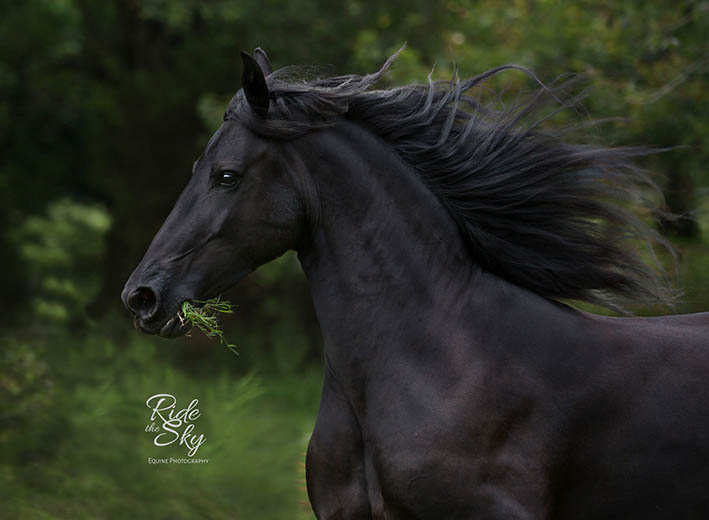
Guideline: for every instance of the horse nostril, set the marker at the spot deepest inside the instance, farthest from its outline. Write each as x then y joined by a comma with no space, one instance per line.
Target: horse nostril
143,302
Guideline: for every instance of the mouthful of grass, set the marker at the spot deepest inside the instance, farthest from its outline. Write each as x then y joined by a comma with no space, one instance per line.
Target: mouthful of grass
204,315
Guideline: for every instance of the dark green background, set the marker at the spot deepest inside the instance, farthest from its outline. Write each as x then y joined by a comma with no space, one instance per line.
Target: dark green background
104,105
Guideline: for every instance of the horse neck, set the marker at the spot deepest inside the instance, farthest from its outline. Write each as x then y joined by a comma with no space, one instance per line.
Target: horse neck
385,255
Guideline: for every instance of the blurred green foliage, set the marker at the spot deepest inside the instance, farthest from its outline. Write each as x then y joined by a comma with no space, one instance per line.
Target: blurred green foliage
103,107
61,253
75,445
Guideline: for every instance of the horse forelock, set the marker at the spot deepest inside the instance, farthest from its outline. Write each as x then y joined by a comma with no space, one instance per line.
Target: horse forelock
536,208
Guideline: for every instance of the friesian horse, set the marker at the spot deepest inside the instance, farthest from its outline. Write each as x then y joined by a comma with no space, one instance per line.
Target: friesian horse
438,233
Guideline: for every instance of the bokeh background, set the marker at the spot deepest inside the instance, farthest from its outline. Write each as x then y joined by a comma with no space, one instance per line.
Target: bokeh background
104,105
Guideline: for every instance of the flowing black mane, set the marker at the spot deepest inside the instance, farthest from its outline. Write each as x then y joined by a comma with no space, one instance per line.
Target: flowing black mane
536,209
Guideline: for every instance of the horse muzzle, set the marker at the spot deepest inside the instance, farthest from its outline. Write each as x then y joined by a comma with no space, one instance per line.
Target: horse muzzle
144,303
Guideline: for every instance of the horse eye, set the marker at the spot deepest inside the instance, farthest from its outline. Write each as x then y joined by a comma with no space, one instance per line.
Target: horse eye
228,178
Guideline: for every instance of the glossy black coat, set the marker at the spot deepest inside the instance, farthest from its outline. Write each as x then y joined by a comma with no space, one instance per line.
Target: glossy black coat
449,392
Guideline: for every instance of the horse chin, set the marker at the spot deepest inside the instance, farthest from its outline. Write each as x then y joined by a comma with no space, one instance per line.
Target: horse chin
172,328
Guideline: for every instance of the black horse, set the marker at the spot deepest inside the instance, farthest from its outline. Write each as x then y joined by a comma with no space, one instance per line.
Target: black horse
438,233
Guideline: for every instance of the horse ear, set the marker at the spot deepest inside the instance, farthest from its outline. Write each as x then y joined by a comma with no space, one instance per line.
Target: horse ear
262,59
254,85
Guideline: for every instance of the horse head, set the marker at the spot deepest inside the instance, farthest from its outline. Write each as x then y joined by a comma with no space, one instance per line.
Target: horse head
240,209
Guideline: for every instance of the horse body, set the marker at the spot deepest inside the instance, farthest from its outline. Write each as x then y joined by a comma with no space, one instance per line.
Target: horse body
455,385
469,396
